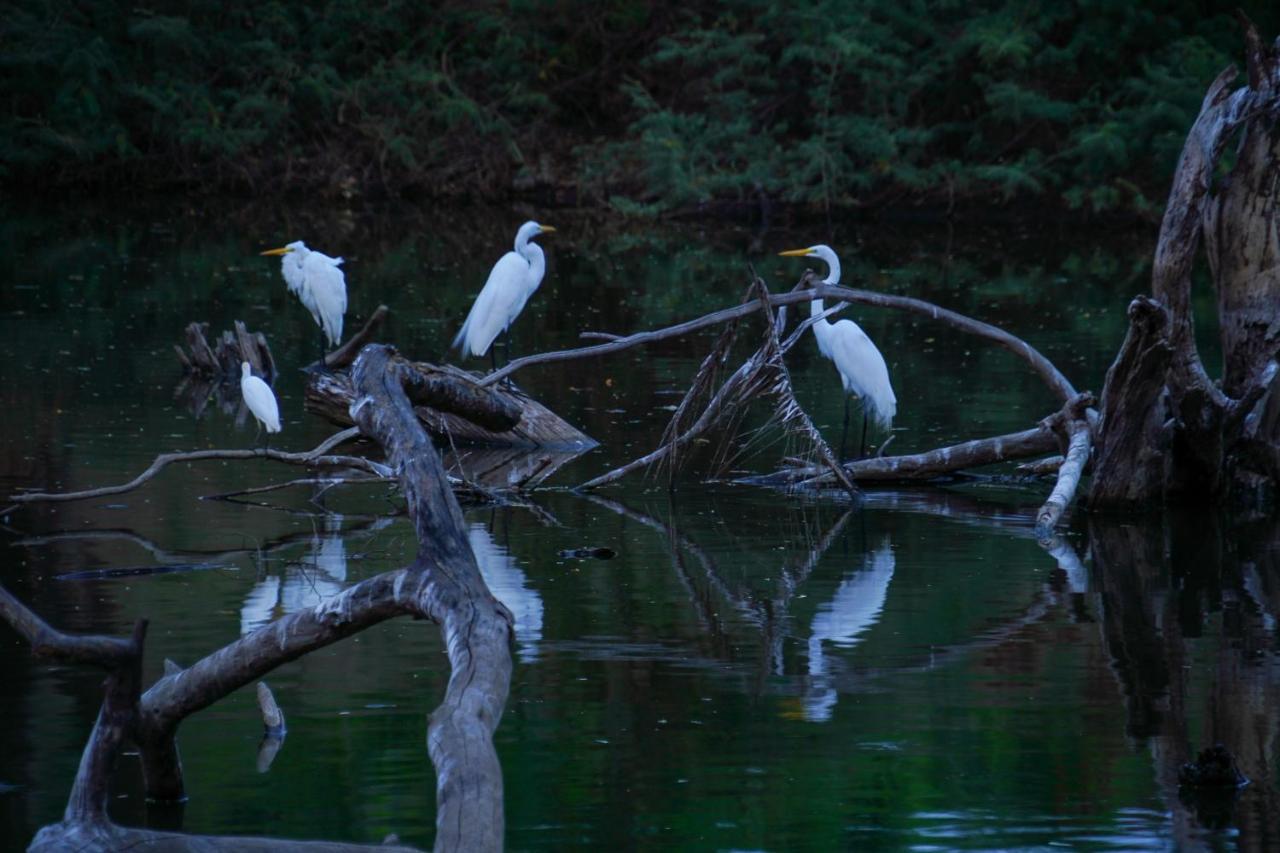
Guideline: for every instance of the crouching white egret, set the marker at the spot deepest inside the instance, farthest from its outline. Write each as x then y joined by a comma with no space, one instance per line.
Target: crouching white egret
511,282
318,282
260,399
861,366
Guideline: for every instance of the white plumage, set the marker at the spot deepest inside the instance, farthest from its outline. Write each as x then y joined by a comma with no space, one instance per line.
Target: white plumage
511,282
318,282
259,398
861,366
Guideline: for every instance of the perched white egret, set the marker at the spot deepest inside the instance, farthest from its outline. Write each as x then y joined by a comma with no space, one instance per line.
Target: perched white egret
861,366
512,281
317,281
260,399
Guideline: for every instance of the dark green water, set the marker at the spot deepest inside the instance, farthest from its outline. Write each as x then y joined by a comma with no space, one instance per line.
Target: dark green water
749,672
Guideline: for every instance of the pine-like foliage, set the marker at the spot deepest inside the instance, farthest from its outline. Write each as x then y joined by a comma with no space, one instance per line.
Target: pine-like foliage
648,106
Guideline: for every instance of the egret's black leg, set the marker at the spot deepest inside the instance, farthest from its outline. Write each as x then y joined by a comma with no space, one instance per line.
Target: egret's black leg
493,355
862,453
844,433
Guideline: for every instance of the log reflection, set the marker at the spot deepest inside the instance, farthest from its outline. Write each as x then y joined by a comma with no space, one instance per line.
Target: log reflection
1171,604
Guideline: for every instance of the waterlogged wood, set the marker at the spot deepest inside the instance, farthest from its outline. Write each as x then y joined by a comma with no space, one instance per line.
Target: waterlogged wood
272,716
930,465
477,628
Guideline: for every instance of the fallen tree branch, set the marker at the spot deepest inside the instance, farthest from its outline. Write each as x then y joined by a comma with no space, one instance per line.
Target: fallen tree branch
930,465
1064,491
941,461
315,458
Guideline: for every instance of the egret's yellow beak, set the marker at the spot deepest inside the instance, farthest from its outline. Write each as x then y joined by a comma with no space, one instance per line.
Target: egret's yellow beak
796,253
283,250
548,229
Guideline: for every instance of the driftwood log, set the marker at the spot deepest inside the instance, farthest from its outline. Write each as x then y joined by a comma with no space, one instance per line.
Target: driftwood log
442,584
455,406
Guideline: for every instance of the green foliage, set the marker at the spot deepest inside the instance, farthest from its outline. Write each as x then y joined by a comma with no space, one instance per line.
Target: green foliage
649,107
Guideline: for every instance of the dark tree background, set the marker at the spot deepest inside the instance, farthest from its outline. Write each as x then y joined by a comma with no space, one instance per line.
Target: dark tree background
647,106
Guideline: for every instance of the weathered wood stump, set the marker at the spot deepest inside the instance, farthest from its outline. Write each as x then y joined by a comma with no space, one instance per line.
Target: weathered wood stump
222,360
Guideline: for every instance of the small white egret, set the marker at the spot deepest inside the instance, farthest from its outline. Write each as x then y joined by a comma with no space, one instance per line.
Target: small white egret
511,282
861,366
260,399
317,281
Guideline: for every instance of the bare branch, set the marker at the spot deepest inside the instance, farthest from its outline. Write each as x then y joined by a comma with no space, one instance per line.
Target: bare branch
315,458
715,318
1053,377
1044,368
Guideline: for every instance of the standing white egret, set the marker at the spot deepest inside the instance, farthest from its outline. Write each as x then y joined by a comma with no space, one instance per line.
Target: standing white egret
260,399
511,282
319,284
861,366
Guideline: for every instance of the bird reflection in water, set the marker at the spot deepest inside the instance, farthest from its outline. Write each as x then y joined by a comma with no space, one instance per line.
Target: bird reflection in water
843,622
510,586
319,576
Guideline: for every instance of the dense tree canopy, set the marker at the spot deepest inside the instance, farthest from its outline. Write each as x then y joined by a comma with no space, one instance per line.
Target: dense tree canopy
647,106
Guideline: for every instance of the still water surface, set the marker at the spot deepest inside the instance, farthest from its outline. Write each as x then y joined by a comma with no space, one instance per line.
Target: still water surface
751,671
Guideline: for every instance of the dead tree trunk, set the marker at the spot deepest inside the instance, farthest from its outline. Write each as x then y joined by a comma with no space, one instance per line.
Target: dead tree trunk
1168,432
442,584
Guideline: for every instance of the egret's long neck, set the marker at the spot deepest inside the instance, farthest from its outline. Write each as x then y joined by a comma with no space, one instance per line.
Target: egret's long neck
823,326
532,252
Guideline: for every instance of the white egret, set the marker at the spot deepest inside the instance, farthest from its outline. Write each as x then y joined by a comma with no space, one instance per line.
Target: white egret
317,281
260,399
861,366
511,282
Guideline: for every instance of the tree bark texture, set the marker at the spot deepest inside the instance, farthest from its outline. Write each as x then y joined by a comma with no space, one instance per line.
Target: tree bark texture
456,407
1169,433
